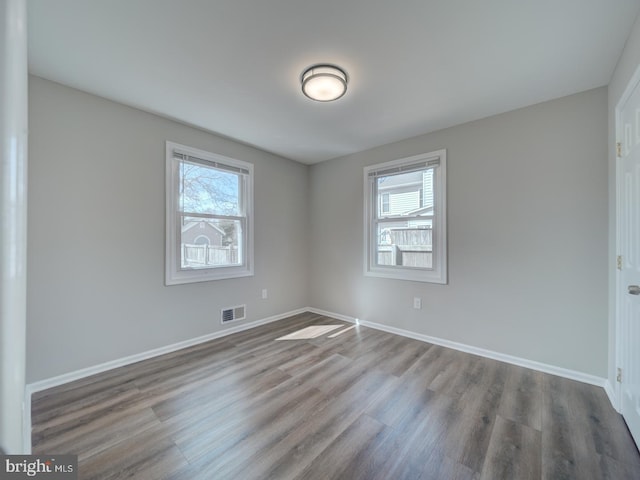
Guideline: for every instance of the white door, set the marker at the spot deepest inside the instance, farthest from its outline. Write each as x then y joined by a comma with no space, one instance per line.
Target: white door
629,250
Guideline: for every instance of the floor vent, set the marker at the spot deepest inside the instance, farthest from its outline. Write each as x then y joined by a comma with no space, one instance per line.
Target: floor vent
233,313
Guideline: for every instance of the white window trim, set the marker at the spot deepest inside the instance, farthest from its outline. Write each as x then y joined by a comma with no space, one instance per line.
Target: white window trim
437,274
173,274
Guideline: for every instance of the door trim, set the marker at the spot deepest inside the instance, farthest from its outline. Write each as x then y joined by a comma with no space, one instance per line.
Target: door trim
13,217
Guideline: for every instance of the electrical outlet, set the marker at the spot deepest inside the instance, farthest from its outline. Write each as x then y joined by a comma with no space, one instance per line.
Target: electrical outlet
265,294
417,303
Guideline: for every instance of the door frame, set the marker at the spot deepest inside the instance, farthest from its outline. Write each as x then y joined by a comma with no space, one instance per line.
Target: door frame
13,217
633,83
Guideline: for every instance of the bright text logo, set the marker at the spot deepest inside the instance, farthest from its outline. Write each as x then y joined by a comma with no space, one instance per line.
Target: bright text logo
58,467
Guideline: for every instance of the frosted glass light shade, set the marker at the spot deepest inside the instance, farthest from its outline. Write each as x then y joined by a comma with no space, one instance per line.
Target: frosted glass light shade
324,83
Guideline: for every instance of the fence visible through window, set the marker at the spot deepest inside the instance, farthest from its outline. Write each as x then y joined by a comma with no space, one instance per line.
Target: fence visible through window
205,256
408,247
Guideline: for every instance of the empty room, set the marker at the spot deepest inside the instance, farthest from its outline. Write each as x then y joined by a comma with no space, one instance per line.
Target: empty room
351,239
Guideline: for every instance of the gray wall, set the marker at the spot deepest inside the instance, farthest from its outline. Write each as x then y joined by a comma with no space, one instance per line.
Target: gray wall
96,234
527,235
626,67
527,218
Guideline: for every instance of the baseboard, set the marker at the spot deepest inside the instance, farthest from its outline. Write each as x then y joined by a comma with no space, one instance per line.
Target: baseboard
40,385
522,362
612,394
103,367
337,316
26,423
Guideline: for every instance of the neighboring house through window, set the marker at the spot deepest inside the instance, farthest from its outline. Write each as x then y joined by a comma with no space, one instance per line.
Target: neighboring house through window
385,202
405,224
209,216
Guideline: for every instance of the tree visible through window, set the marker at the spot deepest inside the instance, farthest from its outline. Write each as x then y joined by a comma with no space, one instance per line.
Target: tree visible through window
210,197
406,230
208,216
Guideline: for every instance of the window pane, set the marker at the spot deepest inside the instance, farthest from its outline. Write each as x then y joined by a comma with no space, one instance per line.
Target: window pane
405,230
208,190
404,244
405,194
209,243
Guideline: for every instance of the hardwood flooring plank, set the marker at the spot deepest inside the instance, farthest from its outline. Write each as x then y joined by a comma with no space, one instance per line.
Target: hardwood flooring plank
223,422
76,412
442,467
51,408
147,456
522,398
436,368
597,428
419,433
514,452
611,469
326,372
479,407
560,458
103,382
97,434
344,330
366,341
416,456
234,460
363,405
395,356
217,395
255,337
306,361
345,452
287,458
225,376
221,431
406,399
309,333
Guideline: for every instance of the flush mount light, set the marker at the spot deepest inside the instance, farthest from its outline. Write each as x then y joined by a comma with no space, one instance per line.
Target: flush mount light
324,83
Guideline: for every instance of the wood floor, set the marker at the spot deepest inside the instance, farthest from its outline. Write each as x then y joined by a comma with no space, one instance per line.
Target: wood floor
362,405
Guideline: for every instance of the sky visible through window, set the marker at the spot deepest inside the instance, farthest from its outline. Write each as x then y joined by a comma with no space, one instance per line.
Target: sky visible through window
208,190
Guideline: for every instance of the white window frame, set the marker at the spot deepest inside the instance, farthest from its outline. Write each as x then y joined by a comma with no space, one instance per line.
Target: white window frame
174,274
438,272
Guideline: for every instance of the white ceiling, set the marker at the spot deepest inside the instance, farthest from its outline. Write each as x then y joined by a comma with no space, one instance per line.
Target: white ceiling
233,66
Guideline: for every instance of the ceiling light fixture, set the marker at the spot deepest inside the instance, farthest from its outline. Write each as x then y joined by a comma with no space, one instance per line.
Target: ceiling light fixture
324,83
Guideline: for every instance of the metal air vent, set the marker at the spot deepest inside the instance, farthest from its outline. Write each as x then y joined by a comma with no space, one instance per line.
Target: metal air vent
233,313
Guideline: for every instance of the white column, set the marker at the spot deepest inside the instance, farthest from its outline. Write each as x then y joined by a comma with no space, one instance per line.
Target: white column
13,218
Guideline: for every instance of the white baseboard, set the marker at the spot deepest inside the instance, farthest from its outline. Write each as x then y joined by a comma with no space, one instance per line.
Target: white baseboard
40,385
103,367
120,362
611,392
26,423
337,316
522,362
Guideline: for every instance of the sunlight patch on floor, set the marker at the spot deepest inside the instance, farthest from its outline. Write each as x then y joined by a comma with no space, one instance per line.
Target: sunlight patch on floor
334,335
310,332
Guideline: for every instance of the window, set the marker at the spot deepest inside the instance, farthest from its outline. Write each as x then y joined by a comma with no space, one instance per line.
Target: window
405,218
209,216
385,202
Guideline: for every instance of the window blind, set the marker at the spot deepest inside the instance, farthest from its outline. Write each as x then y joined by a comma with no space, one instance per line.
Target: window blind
209,163
414,167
